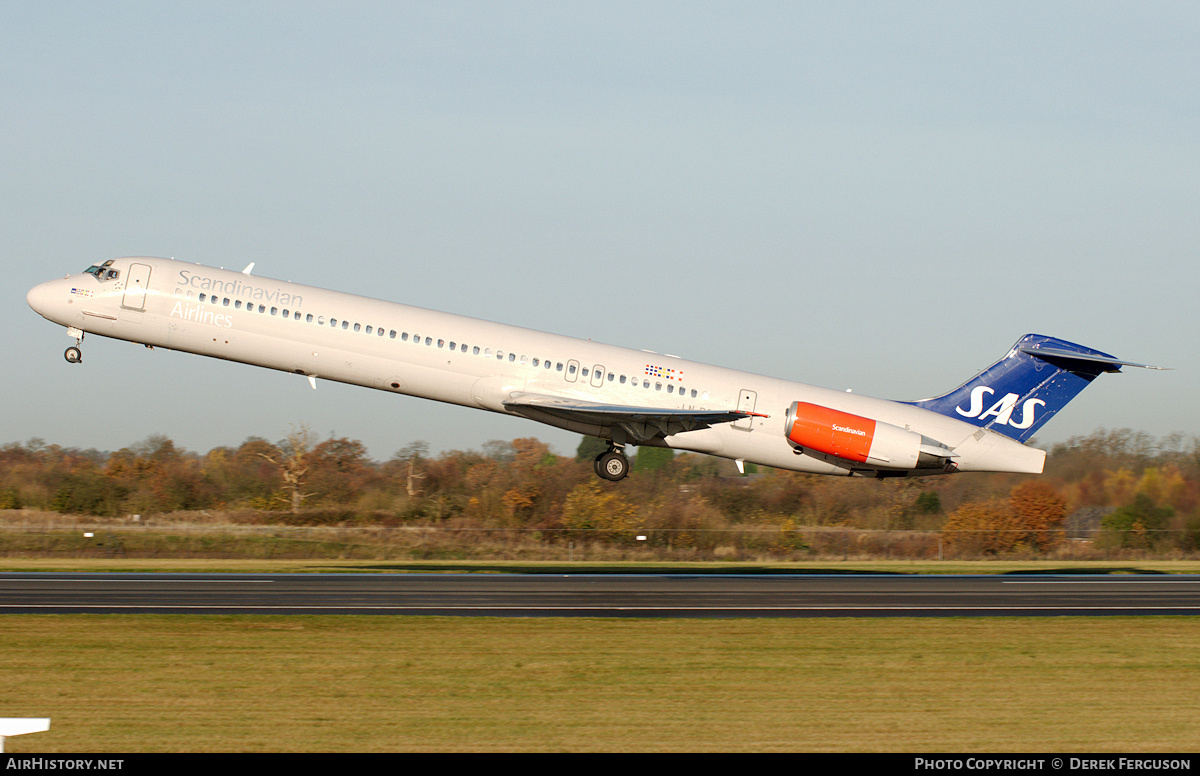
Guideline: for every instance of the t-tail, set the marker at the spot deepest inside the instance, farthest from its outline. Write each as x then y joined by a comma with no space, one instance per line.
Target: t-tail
1017,395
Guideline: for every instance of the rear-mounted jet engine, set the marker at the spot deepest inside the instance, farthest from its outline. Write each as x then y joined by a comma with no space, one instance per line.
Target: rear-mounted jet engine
845,439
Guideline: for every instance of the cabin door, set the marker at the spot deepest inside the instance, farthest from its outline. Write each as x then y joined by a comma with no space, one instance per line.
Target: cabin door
746,402
136,283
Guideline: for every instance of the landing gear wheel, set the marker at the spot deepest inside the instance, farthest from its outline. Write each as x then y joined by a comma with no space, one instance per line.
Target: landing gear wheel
612,466
74,355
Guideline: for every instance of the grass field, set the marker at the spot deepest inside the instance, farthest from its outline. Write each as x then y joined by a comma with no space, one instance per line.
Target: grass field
146,683
138,683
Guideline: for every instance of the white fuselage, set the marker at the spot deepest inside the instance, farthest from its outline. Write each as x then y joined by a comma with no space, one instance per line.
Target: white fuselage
474,363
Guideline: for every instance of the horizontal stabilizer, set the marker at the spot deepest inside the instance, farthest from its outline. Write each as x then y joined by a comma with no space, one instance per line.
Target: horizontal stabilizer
1063,358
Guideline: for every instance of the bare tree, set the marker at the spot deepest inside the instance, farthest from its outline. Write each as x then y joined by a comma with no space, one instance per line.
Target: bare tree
413,453
292,463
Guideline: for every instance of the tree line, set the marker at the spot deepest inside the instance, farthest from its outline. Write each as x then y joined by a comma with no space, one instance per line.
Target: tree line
1122,487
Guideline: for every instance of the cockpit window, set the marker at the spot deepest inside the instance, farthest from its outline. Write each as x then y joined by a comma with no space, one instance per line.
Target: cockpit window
103,271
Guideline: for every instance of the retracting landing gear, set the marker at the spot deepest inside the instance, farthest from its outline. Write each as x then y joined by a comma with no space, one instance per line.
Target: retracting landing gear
612,464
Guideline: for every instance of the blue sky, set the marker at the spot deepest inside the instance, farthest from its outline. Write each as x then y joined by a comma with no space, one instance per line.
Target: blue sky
868,195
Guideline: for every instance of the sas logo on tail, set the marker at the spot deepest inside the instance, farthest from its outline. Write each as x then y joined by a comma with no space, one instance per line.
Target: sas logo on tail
1001,410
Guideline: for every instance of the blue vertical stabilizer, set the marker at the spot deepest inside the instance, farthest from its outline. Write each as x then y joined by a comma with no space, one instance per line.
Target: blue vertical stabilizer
1017,395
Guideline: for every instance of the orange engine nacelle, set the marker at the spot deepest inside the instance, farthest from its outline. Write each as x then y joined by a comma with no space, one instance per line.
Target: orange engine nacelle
830,432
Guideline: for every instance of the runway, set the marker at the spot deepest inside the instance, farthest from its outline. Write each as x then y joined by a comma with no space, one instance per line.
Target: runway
665,595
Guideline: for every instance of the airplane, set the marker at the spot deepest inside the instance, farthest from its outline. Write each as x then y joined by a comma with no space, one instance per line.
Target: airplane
621,395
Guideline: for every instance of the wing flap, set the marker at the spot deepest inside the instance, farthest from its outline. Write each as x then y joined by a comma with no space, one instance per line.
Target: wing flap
639,423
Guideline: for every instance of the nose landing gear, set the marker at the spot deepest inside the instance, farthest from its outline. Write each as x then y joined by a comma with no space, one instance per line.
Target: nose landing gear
74,355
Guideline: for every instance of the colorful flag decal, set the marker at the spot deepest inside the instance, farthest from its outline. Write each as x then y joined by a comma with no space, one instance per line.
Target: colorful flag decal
658,371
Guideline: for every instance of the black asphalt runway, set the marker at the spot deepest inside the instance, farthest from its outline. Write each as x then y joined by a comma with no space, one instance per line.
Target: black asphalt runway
545,595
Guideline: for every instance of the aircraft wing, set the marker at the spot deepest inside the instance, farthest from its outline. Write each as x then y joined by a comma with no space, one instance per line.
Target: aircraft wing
639,423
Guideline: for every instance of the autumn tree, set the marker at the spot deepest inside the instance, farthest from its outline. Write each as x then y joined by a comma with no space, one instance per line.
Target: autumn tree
590,447
598,512
1040,512
1030,518
652,459
252,473
1137,524
339,471
158,477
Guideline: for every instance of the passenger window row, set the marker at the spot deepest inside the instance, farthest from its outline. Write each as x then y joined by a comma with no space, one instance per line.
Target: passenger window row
452,345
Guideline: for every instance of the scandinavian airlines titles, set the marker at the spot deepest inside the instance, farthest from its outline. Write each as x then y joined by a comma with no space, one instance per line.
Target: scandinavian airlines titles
237,288
234,288
199,314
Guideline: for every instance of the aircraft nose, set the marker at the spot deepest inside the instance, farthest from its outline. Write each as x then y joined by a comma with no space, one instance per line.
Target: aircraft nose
37,298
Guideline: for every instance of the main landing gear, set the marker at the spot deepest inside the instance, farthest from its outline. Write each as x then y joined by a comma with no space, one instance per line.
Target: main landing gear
612,464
